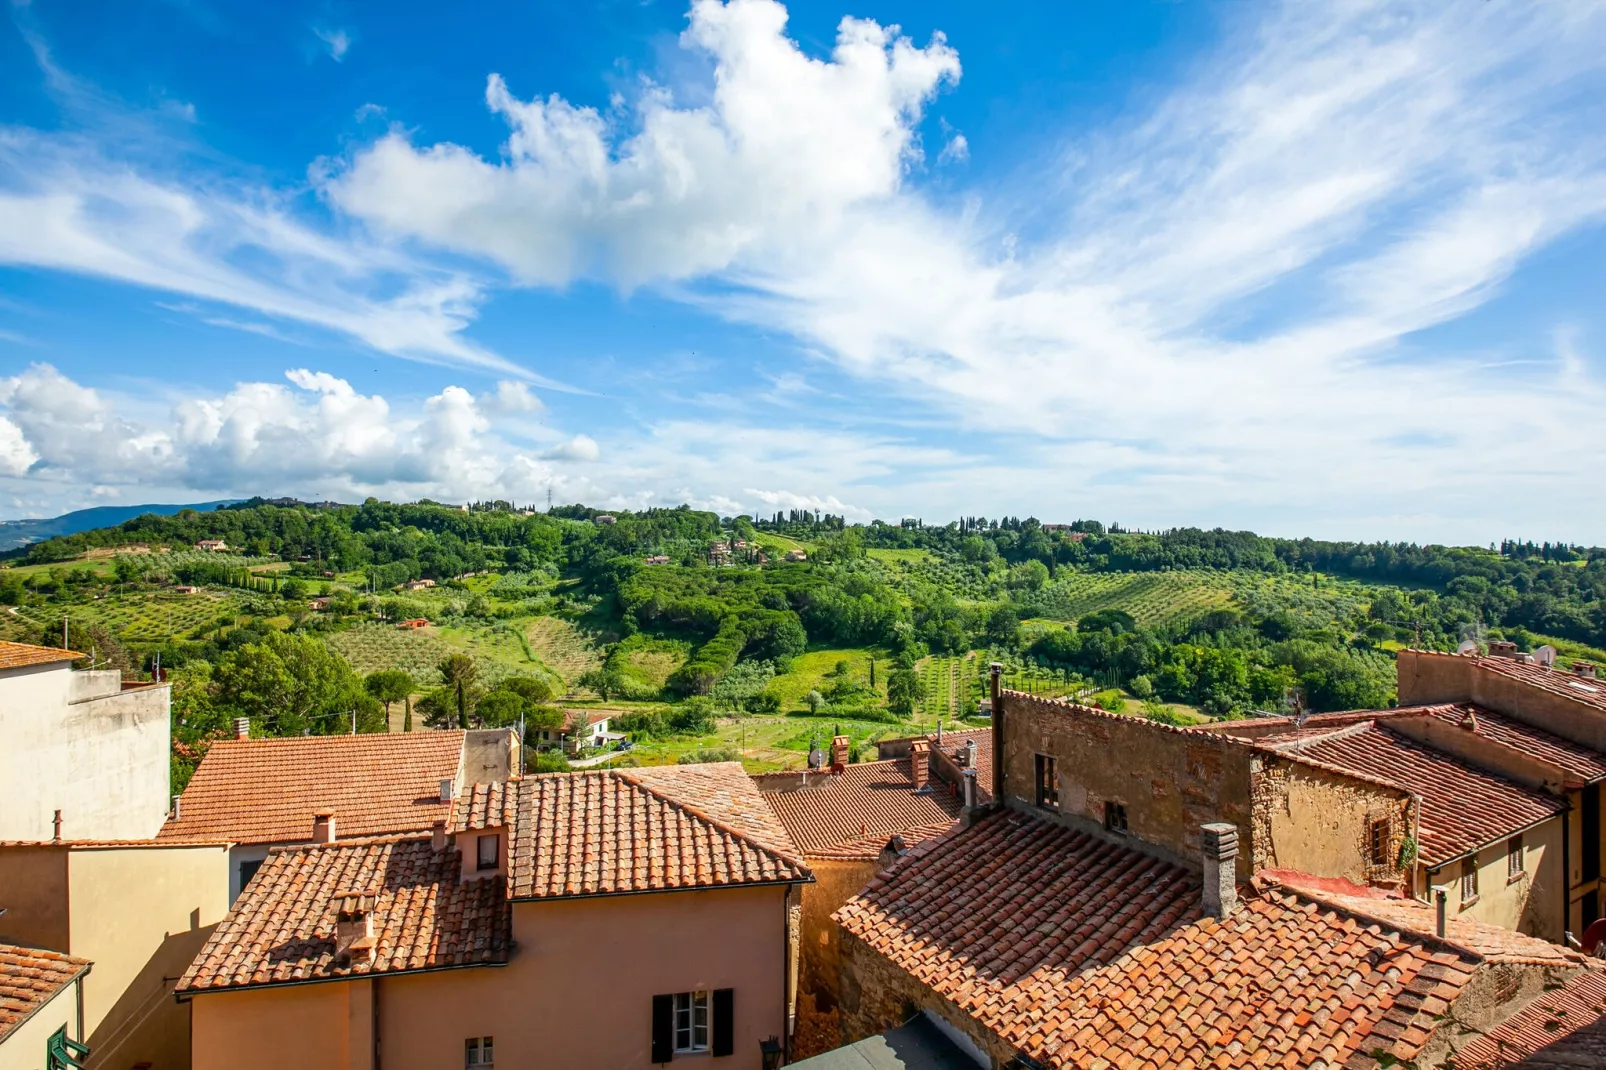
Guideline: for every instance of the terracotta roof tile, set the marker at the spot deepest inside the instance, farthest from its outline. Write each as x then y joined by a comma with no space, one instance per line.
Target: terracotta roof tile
30,978
18,655
425,917
266,790
1463,808
1580,762
1564,1029
639,830
843,815
1082,953
484,806
954,742
1585,689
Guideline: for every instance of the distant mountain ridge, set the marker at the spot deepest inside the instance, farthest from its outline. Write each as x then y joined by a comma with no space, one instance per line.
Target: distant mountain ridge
18,533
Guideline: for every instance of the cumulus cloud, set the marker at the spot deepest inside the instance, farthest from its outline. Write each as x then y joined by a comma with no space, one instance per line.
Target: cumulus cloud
512,398
786,143
16,455
578,448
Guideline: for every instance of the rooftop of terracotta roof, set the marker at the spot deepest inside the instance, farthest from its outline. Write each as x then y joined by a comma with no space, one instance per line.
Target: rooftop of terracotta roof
426,917
591,716
484,806
19,655
97,845
846,814
1588,690
642,830
1564,1029
266,790
1463,808
30,978
955,741
1583,763
1080,952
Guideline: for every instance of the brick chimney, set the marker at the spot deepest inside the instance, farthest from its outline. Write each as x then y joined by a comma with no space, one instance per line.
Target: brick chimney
1220,849
920,764
354,926
242,728
1502,648
1584,668
437,839
839,753
323,826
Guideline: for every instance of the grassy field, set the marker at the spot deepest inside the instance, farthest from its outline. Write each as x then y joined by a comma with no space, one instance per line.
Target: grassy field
809,671
901,556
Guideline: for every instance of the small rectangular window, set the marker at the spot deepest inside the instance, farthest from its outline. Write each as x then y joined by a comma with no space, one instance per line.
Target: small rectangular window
1115,818
691,1022
490,851
1514,866
1048,788
1469,881
478,1053
1378,841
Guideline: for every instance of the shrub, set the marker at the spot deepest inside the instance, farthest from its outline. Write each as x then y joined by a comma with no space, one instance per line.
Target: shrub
711,754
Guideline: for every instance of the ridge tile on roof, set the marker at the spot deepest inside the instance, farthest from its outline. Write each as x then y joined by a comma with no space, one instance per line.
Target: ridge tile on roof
266,790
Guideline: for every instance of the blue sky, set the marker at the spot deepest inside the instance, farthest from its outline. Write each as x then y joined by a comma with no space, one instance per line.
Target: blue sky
1308,269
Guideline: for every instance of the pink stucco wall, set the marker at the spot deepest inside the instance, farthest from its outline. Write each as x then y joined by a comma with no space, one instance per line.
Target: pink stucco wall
577,993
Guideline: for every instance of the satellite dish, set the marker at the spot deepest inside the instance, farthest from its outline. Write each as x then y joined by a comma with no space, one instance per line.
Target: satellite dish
1468,646
1546,655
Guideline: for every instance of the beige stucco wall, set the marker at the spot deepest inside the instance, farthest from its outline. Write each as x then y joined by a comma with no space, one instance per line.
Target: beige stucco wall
577,993
1530,903
1170,782
1318,822
24,1047
1425,677
141,915
101,761
33,889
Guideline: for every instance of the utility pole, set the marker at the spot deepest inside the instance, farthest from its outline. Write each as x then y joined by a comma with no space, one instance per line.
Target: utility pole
65,645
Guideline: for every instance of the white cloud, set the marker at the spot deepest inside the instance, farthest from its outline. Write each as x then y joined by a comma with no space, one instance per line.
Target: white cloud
512,398
957,150
786,144
335,41
578,448
16,455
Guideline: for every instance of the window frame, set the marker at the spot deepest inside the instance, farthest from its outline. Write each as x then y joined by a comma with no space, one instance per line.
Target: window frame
495,861
688,1004
1379,833
479,1052
1469,881
1516,859
1048,787
1115,818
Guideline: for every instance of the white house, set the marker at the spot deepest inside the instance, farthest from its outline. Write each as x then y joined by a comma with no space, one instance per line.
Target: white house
82,755
585,728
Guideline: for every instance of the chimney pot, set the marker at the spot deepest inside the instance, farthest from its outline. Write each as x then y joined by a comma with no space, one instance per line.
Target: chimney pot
178,801
448,790
437,838
1584,668
1502,648
242,728
1220,850
970,755
56,822
323,826
968,779
1441,902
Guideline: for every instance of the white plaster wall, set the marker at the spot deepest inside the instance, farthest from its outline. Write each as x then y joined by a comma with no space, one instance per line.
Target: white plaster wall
24,1047
103,762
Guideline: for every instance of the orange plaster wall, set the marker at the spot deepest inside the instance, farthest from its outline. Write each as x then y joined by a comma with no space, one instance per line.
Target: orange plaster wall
304,1026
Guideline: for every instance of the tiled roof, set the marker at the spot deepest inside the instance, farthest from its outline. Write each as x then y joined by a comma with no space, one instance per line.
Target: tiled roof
671,829
112,845
18,655
1577,760
953,742
841,816
1463,808
589,716
425,917
266,790
1564,1029
30,978
1585,689
1080,953
484,806
1414,916
870,847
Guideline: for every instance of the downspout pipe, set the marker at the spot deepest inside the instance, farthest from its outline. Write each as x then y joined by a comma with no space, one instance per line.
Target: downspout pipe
997,703
1566,869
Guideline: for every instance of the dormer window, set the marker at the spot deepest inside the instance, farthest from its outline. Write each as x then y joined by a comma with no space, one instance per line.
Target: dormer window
488,851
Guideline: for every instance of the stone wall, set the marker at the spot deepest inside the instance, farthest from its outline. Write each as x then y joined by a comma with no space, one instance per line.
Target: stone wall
835,882
1319,822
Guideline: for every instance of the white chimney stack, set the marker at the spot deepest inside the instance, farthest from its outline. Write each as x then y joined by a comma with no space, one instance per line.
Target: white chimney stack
1220,848
448,790
242,728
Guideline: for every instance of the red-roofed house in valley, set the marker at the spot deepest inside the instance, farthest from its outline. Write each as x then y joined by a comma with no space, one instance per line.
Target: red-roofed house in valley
1142,895
81,754
41,1011
615,919
1553,715
582,728
259,793
849,820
